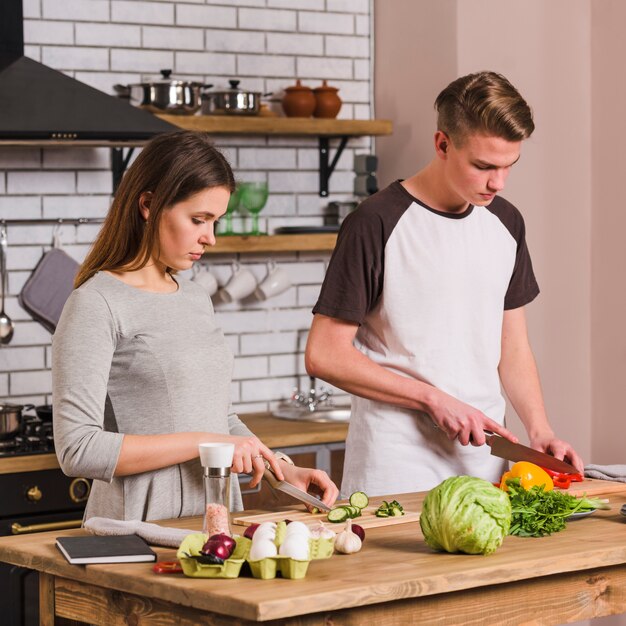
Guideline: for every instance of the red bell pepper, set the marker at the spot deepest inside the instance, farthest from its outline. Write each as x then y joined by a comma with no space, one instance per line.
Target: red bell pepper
563,480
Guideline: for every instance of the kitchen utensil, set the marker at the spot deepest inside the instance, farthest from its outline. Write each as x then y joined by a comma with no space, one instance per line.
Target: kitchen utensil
165,95
253,199
506,449
594,487
44,412
366,520
233,101
327,102
289,489
298,101
241,284
276,281
580,514
10,419
6,323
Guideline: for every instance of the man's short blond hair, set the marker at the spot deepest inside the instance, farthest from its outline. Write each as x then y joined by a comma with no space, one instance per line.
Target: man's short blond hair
485,103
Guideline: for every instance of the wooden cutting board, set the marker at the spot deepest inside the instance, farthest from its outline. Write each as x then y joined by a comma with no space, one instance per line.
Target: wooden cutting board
593,486
367,519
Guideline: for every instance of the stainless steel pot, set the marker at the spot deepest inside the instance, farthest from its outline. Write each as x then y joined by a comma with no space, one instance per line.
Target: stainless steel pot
178,97
10,419
233,101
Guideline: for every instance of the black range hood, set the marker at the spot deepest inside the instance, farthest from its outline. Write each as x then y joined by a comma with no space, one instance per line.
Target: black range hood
39,103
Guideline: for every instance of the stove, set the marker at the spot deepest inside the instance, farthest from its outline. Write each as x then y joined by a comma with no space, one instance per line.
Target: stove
33,501
34,437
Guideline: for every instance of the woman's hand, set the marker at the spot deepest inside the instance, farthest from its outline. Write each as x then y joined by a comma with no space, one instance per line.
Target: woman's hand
311,480
249,455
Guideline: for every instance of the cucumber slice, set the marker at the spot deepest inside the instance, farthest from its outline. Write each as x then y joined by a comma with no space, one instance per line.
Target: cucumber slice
340,514
359,499
353,511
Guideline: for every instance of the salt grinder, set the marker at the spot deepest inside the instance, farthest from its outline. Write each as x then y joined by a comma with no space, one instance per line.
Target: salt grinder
216,459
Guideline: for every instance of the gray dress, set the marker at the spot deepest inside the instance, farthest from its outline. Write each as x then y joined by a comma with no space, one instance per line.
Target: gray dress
127,361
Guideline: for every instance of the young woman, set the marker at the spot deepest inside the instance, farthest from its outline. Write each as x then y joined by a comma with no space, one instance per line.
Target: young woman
141,373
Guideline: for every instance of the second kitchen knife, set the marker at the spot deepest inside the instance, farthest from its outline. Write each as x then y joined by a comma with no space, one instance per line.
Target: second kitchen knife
506,449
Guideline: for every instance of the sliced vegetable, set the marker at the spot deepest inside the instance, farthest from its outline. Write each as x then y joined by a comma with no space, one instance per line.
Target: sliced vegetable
338,514
563,480
359,499
389,509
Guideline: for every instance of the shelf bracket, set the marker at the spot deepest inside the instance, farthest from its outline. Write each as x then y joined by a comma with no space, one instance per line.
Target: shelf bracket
119,163
326,168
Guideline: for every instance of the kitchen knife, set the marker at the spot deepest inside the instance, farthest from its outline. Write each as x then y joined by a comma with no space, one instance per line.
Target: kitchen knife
294,492
506,449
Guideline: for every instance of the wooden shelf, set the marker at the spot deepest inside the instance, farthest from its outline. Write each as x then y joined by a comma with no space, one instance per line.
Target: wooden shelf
267,125
317,242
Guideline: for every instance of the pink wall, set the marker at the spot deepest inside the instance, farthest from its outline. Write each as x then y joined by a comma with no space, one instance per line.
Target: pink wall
608,232
420,47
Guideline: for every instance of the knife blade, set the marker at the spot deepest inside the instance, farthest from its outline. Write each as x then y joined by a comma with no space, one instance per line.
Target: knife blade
506,449
294,492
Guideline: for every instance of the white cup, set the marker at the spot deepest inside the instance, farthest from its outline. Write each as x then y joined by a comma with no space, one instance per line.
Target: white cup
203,277
241,284
276,282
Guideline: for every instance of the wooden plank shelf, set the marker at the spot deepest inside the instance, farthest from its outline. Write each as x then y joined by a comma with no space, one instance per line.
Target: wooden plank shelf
268,125
316,242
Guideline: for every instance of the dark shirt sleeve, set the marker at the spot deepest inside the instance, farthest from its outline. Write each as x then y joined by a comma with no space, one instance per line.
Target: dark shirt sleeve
523,287
354,279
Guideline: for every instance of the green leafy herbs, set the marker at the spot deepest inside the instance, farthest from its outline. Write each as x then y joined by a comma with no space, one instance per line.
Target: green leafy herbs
536,512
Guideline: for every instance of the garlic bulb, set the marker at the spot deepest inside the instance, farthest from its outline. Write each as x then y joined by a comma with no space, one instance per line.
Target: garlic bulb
319,531
346,541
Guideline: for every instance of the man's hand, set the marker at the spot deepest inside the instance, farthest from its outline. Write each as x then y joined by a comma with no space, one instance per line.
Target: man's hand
462,421
557,448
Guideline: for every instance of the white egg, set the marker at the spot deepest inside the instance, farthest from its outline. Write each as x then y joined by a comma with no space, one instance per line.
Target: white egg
298,528
262,550
295,547
267,530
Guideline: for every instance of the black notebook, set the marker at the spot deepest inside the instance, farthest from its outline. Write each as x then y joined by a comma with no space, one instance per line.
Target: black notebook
105,549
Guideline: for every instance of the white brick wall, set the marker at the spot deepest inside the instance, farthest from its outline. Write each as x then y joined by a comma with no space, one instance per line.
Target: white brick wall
266,44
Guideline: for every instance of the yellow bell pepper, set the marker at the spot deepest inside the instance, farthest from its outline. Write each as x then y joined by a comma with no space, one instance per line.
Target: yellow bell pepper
529,475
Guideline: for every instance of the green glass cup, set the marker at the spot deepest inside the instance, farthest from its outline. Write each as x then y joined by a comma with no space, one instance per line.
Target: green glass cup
253,199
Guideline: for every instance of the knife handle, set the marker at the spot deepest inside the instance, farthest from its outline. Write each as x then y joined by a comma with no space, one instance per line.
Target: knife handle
269,475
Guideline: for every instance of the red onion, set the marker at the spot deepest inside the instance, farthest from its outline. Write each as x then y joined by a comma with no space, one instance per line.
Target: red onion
250,530
220,545
358,531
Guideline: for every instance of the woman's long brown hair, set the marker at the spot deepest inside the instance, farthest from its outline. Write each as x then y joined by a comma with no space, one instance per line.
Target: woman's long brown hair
173,167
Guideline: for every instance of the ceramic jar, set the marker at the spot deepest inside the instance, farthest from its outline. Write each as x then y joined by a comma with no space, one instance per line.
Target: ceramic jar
327,101
298,101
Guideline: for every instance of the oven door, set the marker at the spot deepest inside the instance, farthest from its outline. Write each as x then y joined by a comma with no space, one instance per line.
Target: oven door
19,601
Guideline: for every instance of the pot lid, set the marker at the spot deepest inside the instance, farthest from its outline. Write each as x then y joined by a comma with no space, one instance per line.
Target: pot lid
165,79
298,87
325,87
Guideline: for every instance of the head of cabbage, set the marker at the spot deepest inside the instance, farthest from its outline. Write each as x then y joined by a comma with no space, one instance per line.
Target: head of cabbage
466,514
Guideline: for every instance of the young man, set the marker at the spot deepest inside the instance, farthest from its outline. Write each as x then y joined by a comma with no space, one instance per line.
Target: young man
421,314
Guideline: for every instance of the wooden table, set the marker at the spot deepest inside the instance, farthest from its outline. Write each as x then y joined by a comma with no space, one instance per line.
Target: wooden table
577,574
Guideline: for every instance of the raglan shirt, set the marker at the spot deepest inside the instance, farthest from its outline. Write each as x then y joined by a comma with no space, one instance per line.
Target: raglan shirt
428,290
128,361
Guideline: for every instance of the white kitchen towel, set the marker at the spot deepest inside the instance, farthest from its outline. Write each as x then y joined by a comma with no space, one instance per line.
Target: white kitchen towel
607,472
152,533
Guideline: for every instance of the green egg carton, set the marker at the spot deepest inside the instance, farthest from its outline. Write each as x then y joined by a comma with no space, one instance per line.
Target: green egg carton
231,568
291,568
